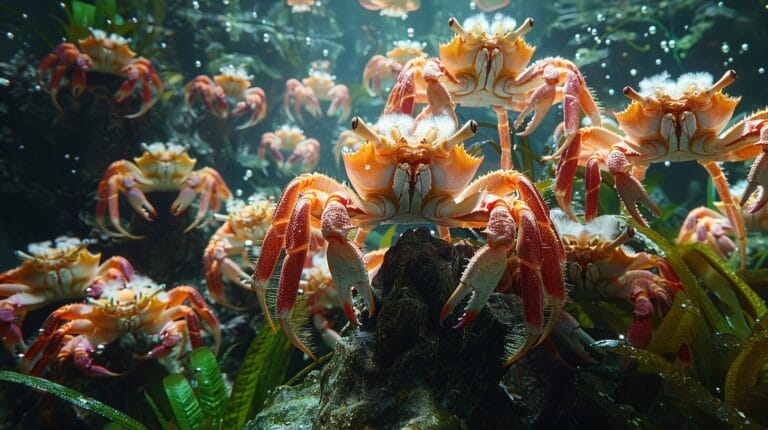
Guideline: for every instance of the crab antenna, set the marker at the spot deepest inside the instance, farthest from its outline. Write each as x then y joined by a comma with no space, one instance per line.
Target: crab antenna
525,27
24,256
363,130
468,130
453,23
623,238
728,78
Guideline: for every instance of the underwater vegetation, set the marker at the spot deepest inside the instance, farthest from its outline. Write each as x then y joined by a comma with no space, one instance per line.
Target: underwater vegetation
227,214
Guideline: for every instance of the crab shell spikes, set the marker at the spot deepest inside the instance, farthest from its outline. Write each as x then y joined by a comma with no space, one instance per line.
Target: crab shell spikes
363,130
468,130
453,23
525,27
728,78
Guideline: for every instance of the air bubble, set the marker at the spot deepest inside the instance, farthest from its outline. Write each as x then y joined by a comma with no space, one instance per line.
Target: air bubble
603,65
227,26
24,16
238,192
744,47
9,35
652,29
265,37
667,163
225,2
644,9
658,61
198,64
761,70
607,77
725,48
196,5
633,72
307,40
4,82
410,32
325,52
611,92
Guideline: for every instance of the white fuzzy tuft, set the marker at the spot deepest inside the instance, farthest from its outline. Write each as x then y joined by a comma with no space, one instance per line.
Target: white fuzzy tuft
606,227
114,38
61,243
237,72
686,85
477,25
502,24
443,123
409,44
565,225
662,81
399,120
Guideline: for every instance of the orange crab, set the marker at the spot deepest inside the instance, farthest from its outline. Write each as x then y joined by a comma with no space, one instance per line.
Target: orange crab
231,87
418,171
139,306
392,8
486,65
162,167
102,53
380,68
319,86
244,227
300,6
306,152
669,121
599,264
51,272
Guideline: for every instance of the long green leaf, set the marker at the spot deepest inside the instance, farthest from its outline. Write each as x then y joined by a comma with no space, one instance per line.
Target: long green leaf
386,238
745,369
275,366
105,10
83,14
186,408
210,383
72,397
244,389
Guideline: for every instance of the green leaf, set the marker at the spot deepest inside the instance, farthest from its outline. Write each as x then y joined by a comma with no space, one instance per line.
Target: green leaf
743,373
386,238
153,405
83,14
210,384
105,10
244,389
186,408
276,365
73,397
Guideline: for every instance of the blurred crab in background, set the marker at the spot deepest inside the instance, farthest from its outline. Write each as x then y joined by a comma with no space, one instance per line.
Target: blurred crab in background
669,121
102,53
139,306
599,264
382,68
713,229
300,6
319,86
232,87
417,171
486,65
162,167
491,5
51,272
305,152
392,8
243,227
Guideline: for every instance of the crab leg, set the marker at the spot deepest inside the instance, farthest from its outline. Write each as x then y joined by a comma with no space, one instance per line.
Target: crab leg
212,189
504,143
630,190
758,176
175,298
80,349
731,210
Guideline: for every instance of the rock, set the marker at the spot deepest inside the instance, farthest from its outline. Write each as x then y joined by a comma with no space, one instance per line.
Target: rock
290,407
402,369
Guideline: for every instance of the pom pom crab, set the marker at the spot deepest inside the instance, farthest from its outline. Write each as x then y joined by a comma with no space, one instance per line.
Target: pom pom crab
599,265
139,306
486,65
305,152
392,8
417,172
669,121
232,87
310,91
162,167
388,67
52,272
102,53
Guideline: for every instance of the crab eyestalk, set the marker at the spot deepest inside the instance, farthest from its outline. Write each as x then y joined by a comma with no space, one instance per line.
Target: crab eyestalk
623,238
524,28
728,78
460,31
633,95
363,130
465,132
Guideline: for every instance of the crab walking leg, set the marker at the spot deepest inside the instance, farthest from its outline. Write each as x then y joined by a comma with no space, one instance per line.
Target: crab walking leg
758,175
731,210
504,143
629,189
274,239
212,189
177,295
345,260
80,350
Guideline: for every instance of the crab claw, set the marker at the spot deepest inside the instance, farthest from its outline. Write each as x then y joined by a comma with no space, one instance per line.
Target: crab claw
218,265
121,177
212,189
140,70
540,102
340,100
300,95
630,190
256,103
375,72
9,329
80,349
758,177
213,96
345,261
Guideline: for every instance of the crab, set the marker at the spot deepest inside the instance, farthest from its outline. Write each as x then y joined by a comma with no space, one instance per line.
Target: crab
141,306
300,6
244,227
599,265
486,65
232,87
162,167
50,272
380,67
669,121
102,53
491,5
305,152
712,228
392,8
418,171
319,86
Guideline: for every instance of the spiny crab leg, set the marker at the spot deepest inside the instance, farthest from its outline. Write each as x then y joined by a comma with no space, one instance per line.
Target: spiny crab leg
210,185
121,177
141,70
731,211
757,180
255,102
